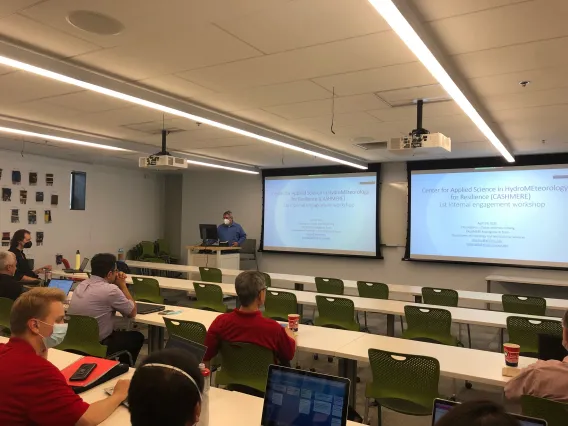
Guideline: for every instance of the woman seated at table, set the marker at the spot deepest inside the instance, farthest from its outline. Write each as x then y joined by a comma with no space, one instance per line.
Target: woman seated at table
166,390
22,239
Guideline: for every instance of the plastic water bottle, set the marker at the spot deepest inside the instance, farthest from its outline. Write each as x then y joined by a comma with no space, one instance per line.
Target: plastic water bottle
77,260
120,254
204,416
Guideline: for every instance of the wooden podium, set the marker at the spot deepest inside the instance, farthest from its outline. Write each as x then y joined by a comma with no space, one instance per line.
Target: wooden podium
221,257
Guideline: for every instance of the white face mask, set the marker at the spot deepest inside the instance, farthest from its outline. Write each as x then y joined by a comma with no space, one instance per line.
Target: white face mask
226,221
57,336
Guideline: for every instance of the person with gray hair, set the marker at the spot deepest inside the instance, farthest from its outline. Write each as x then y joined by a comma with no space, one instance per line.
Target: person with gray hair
230,231
247,325
9,287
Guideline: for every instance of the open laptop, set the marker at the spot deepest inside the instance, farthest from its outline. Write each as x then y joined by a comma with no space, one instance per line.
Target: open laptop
64,285
197,350
550,347
81,268
148,308
302,398
442,406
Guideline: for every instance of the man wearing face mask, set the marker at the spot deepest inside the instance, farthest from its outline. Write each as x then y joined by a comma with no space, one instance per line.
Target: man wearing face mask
545,379
231,231
21,240
100,297
33,390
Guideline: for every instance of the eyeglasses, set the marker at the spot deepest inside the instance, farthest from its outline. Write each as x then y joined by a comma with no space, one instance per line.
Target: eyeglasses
262,289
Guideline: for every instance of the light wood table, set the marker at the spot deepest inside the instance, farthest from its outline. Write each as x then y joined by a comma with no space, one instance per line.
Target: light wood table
221,257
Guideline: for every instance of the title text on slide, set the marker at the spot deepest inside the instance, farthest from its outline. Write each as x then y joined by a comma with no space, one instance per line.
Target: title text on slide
519,196
318,199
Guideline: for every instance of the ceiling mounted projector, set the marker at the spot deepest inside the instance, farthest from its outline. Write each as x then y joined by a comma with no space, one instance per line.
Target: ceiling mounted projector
162,160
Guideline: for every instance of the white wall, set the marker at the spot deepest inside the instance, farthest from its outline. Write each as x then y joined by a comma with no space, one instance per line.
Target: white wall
206,194
123,207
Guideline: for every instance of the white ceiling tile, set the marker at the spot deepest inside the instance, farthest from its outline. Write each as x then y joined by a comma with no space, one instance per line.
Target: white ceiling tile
302,23
378,79
503,26
372,51
8,7
20,87
177,87
41,111
409,112
342,105
179,142
88,101
438,9
323,123
510,59
42,37
433,92
527,99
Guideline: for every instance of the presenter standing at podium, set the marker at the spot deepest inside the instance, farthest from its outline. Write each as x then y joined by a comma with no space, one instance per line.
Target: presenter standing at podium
230,231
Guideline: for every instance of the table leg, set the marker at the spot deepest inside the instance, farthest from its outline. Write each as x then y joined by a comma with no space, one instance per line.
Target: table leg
390,325
300,287
501,339
155,338
488,305
417,299
348,368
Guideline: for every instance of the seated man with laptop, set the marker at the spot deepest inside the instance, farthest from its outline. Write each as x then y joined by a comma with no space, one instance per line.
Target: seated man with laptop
10,288
100,297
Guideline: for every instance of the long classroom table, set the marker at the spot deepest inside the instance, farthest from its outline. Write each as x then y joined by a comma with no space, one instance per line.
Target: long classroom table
225,407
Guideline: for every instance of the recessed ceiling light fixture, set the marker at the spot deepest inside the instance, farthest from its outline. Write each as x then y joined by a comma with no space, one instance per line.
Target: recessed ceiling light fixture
148,104
233,169
390,13
95,22
58,139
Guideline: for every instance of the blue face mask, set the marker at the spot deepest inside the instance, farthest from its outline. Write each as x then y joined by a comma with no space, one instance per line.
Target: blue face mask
57,336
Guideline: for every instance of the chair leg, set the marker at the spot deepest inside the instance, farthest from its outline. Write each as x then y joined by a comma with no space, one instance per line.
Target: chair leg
401,324
469,335
366,415
365,316
380,415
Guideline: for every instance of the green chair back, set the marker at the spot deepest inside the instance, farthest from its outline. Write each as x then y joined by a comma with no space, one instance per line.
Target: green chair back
329,285
163,247
146,290
440,296
5,308
267,279
525,305
209,297
555,413
429,324
278,304
210,275
524,332
148,249
83,337
373,290
404,383
244,364
336,312
190,330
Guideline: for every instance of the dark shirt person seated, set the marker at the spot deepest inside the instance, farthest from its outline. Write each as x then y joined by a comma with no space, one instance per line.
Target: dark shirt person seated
10,288
166,390
22,239
478,413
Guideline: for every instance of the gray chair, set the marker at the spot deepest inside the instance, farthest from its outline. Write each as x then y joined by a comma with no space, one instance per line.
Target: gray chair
248,252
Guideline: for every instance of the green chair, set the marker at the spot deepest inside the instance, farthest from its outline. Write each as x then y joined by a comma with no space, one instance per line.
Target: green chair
83,337
163,249
336,312
267,279
147,250
5,308
555,413
146,290
329,285
278,304
524,332
443,297
210,275
190,330
372,290
429,325
407,384
209,297
244,364
525,305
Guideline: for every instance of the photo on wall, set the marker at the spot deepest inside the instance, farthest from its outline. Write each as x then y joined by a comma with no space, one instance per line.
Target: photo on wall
5,239
49,179
47,216
32,217
54,199
39,197
16,177
15,215
32,178
39,238
23,196
6,194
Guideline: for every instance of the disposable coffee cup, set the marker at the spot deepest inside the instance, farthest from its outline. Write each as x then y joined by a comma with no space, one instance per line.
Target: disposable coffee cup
511,354
293,321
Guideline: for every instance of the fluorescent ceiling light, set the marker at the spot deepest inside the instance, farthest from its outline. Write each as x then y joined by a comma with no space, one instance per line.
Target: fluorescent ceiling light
59,139
200,163
113,93
400,25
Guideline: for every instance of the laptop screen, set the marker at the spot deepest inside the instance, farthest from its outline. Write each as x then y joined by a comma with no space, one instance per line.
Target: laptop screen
64,285
302,398
441,408
84,264
197,350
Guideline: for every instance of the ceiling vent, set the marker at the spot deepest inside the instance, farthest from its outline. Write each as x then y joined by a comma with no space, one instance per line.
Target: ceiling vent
371,146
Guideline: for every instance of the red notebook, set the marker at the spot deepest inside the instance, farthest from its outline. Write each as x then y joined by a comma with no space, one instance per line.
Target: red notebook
103,367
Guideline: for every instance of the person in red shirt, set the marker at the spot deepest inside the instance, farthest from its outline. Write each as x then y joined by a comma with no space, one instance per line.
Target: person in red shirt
33,392
247,325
